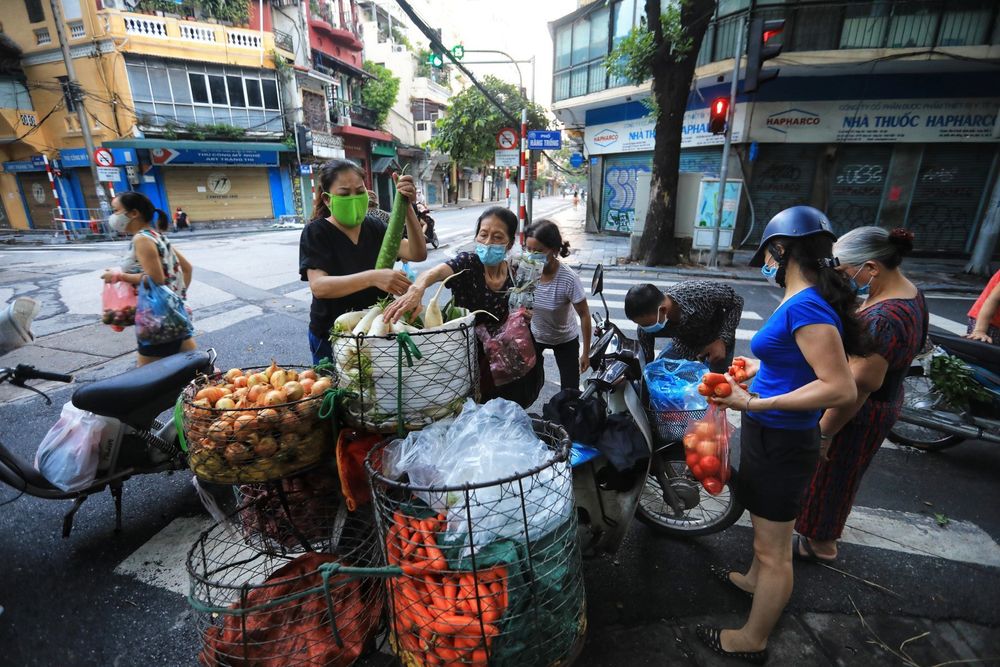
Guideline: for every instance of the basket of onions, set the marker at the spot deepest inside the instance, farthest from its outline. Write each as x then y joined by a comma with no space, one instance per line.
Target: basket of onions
255,425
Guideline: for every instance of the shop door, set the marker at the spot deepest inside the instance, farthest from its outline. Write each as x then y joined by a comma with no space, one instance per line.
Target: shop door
859,179
38,194
620,185
948,195
90,194
707,161
782,177
219,193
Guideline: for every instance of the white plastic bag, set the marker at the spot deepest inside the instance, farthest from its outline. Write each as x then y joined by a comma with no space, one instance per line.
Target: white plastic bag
70,451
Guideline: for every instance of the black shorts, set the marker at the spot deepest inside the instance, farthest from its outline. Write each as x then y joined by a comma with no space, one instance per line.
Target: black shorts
776,466
162,349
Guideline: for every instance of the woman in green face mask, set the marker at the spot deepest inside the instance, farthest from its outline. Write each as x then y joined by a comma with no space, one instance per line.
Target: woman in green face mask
338,249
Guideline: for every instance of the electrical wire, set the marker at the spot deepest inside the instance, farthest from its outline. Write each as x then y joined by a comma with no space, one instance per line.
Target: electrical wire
37,125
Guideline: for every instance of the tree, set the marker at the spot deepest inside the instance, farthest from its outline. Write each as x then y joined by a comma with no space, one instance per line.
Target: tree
379,94
665,48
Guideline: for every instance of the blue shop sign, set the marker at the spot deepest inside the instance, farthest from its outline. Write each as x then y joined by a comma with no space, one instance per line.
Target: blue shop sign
77,157
36,163
162,156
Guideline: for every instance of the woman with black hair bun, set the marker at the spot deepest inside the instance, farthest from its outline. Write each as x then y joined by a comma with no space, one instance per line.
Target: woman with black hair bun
553,324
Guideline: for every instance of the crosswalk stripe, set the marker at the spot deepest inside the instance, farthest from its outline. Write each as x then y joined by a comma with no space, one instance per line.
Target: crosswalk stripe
752,315
226,319
948,325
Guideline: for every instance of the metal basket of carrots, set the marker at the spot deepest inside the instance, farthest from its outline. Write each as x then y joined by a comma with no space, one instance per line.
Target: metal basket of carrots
481,583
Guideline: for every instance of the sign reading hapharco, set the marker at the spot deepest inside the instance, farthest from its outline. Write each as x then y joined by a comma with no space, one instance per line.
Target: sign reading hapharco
876,121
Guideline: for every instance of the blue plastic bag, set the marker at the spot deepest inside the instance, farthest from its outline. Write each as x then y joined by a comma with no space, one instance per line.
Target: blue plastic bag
673,384
160,315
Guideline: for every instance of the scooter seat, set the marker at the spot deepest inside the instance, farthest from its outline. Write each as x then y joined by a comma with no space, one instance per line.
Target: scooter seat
971,351
126,394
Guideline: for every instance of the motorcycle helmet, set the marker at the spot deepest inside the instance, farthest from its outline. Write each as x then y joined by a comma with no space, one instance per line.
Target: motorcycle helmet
797,221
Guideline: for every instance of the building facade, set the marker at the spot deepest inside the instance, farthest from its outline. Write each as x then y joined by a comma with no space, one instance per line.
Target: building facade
883,113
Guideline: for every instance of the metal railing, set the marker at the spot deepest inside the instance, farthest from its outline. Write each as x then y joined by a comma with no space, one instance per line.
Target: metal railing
343,112
283,40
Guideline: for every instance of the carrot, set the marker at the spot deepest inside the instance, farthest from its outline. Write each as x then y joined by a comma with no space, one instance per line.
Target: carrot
435,556
712,379
451,592
446,653
479,658
722,390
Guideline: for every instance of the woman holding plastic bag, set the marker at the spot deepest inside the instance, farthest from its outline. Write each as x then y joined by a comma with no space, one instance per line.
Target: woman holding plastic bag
160,273
802,371
482,280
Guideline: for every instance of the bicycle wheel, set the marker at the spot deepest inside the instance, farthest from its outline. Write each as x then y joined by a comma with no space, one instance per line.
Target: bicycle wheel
919,394
704,513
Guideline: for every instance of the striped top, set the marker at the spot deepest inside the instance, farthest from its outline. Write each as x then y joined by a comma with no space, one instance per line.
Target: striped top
552,320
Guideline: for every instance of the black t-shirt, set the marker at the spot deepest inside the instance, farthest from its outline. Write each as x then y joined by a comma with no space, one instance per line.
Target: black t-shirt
323,246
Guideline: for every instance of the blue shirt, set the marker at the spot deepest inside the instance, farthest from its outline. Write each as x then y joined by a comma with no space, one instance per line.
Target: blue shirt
783,368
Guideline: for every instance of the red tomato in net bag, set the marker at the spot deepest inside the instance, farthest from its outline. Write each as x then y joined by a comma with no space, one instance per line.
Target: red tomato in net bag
713,485
697,472
704,429
711,465
707,448
690,441
692,459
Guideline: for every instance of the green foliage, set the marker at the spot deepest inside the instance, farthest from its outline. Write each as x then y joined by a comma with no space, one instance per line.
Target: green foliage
400,38
280,64
379,94
952,378
233,11
468,130
213,131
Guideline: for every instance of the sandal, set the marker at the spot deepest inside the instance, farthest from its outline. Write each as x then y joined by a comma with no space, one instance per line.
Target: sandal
722,574
712,638
806,553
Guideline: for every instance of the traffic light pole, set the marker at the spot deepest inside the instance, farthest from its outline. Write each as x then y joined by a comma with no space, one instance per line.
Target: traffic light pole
713,256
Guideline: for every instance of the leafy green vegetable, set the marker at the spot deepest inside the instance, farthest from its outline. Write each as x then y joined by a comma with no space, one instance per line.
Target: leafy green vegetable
953,379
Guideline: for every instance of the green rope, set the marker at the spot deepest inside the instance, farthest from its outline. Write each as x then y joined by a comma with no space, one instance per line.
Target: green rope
325,365
404,344
179,422
330,407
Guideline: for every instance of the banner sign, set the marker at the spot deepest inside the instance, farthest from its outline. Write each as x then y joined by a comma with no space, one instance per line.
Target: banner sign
208,156
639,134
36,163
881,121
77,157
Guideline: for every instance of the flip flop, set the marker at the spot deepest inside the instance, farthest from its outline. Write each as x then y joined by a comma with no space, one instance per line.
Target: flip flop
810,555
712,638
722,574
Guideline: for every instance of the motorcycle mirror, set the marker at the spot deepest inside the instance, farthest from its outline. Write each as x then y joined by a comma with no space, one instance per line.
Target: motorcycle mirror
597,283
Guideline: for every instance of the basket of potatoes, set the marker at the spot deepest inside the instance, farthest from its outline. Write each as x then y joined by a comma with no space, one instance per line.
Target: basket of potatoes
255,425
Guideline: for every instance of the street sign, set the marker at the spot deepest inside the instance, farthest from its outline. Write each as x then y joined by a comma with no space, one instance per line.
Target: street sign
540,140
104,158
507,158
576,160
109,174
305,169
507,138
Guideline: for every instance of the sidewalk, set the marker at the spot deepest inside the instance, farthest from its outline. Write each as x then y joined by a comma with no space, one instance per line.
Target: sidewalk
590,249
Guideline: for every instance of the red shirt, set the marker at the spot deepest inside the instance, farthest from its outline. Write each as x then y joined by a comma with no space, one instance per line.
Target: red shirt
978,305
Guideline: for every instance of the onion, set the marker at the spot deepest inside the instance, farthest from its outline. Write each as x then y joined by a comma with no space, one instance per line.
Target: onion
307,385
202,403
232,374
321,386
256,393
270,371
265,447
244,424
240,382
275,397
268,416
293,390
237,453
308,375
291,376
225,403
211,394
219,431
256,379
279,378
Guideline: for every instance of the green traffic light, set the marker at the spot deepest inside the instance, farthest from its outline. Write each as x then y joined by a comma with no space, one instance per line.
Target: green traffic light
437,60
458,51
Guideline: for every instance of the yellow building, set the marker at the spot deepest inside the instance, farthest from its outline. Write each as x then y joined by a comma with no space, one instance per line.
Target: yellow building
190,110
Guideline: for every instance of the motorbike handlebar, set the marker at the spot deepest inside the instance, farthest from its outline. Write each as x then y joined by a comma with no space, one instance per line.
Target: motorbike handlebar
23,372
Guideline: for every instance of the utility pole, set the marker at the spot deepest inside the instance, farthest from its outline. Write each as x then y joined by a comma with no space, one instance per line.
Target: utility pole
77,99
713,256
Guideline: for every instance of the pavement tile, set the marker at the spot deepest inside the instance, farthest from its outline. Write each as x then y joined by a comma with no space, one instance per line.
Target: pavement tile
843,638
791,644
653,644
96,339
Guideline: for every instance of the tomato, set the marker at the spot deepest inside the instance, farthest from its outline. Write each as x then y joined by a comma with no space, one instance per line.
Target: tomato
710,464
713,485
740,362
740,375
712,379
704,429
697,472
692,459
690,440
704,389
723,390
707,448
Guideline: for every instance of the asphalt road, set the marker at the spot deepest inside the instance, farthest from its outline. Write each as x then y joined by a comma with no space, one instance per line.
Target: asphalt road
64,604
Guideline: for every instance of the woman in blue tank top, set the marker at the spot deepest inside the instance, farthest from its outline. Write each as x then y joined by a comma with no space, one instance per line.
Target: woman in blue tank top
802,370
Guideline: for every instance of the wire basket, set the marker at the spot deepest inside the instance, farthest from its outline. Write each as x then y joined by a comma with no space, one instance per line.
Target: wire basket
405,382
670,425
491,571
310,608
251,442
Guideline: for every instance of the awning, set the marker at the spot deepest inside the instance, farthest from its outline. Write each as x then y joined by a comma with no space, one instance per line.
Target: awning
384,164
355,131
384,150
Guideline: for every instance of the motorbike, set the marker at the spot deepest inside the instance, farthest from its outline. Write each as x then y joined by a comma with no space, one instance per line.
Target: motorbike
424,214
927,421
133,440
660,489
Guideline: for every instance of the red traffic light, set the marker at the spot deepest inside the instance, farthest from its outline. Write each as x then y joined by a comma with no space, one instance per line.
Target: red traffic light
718,114
768,34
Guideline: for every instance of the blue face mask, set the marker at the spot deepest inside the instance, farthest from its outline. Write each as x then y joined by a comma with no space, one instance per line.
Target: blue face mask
861,290
770,274
491,255
654,328
536,257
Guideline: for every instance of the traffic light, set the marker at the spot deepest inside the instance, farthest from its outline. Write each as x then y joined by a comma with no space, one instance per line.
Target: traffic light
718,114
304,137
758,50
434,59
458,51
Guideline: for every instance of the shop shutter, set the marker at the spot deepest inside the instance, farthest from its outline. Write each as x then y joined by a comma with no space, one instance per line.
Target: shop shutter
618,202
38,195
704,160
90,195
859,179
219,193
948,194
782,176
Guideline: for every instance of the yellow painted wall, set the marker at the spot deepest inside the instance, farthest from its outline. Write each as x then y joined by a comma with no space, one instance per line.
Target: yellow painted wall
12,201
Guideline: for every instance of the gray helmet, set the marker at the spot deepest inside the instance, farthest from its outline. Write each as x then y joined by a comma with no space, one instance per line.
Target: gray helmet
796,221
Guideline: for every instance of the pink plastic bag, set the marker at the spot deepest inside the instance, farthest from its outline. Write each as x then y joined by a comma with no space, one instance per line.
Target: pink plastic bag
118,301
706,447
511,350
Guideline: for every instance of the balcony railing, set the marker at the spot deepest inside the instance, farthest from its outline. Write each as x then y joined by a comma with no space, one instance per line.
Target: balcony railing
284,41
357,114
165,29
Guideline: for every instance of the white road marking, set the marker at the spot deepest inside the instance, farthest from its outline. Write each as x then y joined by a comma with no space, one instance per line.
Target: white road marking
948,325
751,315
917,534
202,295
745,334
226,319
162,562
950,297
596,301
304,294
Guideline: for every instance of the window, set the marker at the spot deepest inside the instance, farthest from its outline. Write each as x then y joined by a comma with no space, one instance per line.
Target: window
254,97
199,90
964,25
35,13
599,25
76,30
14,95
217,87
624,19
564,39
235,86
422,126
71,10
159,84
270,93
581,41
864,26
42,36
139,82
912,26
179,85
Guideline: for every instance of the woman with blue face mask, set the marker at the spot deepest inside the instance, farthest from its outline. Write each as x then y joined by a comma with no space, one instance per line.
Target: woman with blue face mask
483,282
896,316
802,370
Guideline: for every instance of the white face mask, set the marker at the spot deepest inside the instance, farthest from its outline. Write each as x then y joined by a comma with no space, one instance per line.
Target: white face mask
118,222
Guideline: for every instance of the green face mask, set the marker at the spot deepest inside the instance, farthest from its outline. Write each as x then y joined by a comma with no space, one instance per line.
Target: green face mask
349,210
